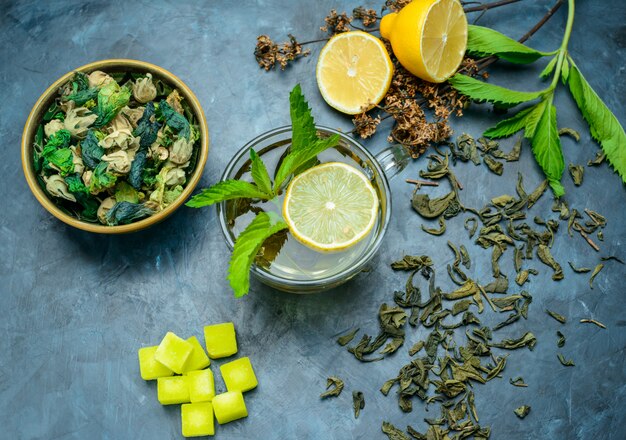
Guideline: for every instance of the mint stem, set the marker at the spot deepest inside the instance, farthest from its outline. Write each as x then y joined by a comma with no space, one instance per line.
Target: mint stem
562,52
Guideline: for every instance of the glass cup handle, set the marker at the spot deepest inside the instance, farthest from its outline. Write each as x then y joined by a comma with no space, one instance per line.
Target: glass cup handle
393,160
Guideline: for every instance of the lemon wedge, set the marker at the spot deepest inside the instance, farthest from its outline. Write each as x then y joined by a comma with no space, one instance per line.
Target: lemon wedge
354,72
330,207
429,37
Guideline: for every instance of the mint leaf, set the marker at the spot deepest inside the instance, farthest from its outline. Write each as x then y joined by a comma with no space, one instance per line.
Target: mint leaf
547,149
482,41
296,159
259,174
226,190
526,119
604,126
246,248
482,91
303,132
547,71
533,119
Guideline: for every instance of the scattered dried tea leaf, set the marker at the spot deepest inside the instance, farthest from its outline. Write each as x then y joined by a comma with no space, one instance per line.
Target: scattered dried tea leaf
527,339
348,337
416,348
522,277
561,341
433,231
518,382
570,132
596,271
493,165
562,319
544,254
522,411
432,208
465,258
577,172
337,386
597,219
612,257
597,160
471,228
358,403
565,362
537,193
499,285
579,269
394,433
412,262
593,321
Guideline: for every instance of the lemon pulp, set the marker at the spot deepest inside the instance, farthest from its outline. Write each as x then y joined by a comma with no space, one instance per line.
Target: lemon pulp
429,37
330,207
354,72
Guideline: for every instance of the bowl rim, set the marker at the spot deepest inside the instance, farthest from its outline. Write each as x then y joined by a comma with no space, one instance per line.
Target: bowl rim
33,121
328,282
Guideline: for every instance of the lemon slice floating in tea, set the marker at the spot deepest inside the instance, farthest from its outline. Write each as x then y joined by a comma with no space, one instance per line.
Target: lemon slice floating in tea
429,37
354,72
330,207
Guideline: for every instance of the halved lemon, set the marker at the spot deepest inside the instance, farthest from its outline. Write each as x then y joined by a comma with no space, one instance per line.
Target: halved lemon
330,207
354,72
429,37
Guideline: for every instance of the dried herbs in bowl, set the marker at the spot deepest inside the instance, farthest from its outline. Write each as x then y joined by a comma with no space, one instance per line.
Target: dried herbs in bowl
115,149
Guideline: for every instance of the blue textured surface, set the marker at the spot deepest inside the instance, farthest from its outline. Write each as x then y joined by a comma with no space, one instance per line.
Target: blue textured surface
75,307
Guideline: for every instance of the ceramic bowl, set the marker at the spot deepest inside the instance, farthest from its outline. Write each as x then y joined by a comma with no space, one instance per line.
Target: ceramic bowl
110,66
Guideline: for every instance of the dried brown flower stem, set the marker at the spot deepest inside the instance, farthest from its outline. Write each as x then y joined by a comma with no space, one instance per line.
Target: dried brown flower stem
486,6
314,41
363,29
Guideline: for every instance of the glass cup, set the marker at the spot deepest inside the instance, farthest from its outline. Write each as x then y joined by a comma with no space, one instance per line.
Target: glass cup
379,169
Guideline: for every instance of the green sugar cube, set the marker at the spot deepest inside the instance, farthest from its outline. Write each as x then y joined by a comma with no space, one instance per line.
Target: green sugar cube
238,375
201,386
220,340
171,390
173,352
197,419
198,359
229,406
149,367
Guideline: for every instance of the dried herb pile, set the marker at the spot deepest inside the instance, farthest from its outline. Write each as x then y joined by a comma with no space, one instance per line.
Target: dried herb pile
115,148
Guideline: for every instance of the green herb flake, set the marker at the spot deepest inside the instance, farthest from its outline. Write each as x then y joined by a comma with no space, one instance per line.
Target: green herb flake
334,387
565,362
358,403
562,319
522,411
347,338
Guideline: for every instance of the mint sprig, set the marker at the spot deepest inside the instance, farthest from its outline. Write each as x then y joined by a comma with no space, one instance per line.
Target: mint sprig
305,146
247,246
482,41
227,190
539,121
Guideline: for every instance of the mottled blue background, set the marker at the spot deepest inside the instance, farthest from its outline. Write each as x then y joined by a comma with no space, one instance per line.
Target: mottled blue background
75,307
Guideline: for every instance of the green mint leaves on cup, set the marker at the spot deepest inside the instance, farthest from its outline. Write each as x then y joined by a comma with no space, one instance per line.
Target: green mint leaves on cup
305,146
